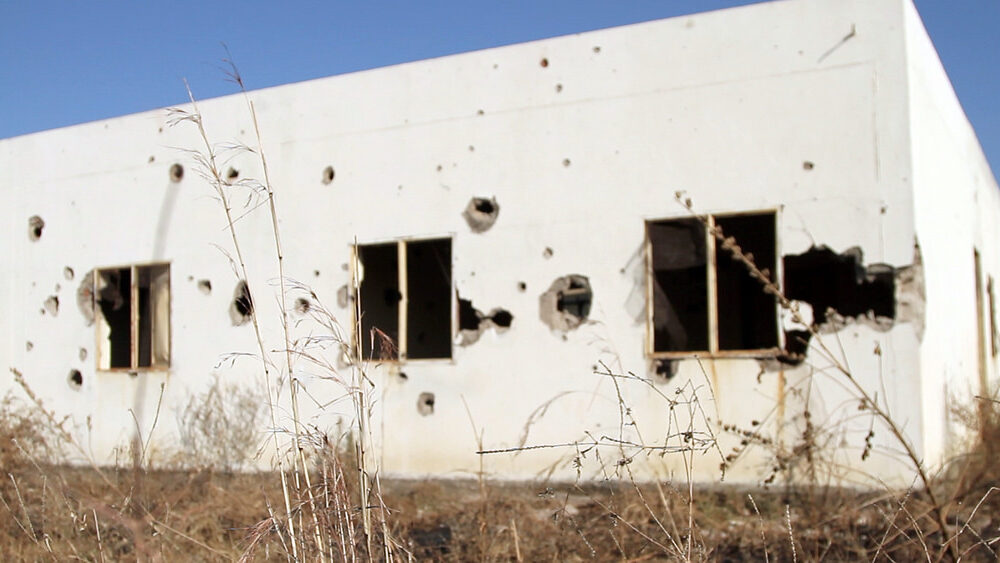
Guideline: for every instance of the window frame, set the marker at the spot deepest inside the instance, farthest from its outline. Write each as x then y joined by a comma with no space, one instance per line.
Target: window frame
708,221
357,345
103,348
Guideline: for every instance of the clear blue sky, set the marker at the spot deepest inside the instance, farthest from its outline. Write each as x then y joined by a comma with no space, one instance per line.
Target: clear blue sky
70,62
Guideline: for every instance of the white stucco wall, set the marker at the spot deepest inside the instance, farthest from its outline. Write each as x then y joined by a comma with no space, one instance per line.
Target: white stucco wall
726,106
956,203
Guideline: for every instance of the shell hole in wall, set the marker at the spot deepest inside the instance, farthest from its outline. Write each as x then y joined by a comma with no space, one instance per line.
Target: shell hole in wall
176,173
205,286
481,213
425,404
241,308
35,226
52,305
566,304
75,379
302,305
328,175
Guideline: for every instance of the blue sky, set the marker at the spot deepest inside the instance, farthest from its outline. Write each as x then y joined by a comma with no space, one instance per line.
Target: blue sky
63,63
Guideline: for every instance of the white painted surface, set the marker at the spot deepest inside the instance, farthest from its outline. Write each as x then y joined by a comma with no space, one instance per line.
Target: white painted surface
726,106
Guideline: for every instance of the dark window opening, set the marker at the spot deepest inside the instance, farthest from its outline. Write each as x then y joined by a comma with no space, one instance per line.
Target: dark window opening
423,328
134,306
680,285
689,315
114,292
379,293
428,309
748,317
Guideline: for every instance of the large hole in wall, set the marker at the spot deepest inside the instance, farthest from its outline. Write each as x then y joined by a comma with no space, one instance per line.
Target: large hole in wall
241,307
472,323
840,284
566,304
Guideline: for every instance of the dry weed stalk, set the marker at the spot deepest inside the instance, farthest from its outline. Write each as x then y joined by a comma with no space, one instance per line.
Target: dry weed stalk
317,538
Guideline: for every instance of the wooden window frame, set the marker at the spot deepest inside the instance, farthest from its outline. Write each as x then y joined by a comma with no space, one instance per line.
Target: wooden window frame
103,347
402,305
712,252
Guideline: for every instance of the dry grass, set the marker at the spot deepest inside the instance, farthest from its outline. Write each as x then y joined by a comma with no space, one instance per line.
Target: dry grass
61,513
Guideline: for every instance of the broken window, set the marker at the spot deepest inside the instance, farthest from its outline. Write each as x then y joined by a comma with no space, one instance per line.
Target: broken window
133,329
704,300
406,299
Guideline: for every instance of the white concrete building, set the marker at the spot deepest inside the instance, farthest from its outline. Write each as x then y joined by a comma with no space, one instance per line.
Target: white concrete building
517,226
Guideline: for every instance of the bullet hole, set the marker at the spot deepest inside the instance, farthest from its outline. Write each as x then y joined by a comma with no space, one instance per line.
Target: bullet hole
343,296
302,305
68,273
439,167
85,300
52,305
543,63
176,173
58,288
566,304
666,369
566,162
232,174
190,278
241,309
35,226
501,318
151,159
472,148
205,286
597,49
83,354
522,287
558,88
328,175
425,404
547,253
28,346
481,213
403,376
807,165
316,273
478,112
75,379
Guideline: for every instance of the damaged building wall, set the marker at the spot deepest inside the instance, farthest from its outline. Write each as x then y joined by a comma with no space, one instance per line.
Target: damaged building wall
590,164
956,201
